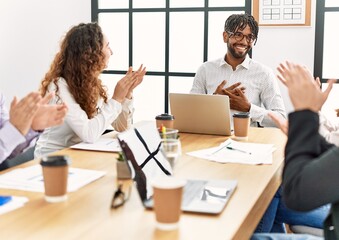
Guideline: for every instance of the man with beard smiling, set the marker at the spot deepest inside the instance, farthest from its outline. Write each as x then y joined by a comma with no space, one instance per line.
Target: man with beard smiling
236,73
251,87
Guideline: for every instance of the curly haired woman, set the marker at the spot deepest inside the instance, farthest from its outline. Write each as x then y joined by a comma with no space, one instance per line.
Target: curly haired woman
74,77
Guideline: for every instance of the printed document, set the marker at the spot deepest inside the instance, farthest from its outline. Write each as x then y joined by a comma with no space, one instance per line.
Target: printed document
232,151
31,179
103,144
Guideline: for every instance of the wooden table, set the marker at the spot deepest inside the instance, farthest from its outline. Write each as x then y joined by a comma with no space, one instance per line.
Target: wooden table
87,213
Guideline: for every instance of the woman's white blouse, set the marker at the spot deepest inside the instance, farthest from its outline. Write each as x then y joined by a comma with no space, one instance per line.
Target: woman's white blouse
77,127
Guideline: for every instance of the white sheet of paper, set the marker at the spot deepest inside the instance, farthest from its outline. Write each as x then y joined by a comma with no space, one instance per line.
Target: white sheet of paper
103,144
15,203
250,153
31,179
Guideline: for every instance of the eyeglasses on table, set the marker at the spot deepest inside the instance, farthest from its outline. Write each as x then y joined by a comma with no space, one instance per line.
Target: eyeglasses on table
120,196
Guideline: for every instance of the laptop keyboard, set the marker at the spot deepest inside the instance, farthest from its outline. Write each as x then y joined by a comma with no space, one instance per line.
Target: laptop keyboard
192,190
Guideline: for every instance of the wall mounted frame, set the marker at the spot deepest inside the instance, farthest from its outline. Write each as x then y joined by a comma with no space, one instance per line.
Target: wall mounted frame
282,12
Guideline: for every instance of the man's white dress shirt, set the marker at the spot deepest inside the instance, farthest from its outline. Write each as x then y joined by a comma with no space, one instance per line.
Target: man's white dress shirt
262,89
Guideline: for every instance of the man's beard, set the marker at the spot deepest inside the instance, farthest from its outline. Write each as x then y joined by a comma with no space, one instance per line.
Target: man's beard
233,52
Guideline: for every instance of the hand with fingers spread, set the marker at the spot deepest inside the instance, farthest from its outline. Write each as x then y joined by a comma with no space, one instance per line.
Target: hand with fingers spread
220,88
34,112
232,89
140,73
22,113
49,115
303,90
125,86
238,100
235,88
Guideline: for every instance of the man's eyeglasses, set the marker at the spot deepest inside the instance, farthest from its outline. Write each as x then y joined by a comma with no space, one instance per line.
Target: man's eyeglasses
250,38
120,197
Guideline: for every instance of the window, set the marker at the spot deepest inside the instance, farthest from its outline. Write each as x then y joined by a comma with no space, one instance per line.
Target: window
172,38
326,47
327,50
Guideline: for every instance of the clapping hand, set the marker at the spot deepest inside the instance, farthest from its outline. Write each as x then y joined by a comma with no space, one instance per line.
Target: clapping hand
21,113
238,100
231,89
303,90
235,92
49,115
33,112
125,86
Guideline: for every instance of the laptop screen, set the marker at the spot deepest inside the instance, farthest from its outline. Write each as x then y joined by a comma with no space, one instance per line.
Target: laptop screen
201,113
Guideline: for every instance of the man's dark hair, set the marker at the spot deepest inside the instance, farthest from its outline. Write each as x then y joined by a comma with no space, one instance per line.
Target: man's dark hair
240,21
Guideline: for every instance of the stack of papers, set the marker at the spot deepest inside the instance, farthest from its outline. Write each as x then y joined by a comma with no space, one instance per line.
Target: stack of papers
31,179
237,152
103,144
9,203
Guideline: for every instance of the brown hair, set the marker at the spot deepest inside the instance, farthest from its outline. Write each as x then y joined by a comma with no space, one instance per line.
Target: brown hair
80,62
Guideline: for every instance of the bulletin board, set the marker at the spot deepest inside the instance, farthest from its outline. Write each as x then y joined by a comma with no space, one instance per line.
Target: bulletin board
282,12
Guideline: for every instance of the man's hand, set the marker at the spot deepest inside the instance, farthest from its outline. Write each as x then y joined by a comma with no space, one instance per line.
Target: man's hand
48,116
238,100
21,114
33,112
232,89
235,92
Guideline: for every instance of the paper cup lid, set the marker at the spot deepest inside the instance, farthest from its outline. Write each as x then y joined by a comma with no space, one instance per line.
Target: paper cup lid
242,115
168,182
164,116
57,160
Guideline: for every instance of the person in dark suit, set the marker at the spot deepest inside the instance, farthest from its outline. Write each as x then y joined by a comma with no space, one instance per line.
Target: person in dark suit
310,175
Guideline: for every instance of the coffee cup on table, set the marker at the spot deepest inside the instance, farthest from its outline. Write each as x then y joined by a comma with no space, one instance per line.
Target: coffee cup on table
167,196
241,124
55,174
165,119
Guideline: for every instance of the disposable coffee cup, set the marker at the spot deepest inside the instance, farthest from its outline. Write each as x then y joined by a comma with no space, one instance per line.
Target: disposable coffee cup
55,173
165,119
241,124
167,196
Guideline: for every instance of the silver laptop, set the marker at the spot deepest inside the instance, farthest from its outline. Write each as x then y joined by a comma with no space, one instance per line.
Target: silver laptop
141,147
201,113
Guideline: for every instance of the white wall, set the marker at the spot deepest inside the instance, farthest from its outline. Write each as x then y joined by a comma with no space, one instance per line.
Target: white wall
278,44
30,32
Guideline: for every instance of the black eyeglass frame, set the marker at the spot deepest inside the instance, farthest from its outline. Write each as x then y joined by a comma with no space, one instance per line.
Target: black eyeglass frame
120,197
241,36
